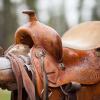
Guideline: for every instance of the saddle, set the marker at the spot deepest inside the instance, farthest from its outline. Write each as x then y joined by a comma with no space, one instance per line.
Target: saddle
60,61
77,53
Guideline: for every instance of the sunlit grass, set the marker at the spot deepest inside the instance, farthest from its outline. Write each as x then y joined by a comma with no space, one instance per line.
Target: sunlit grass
4,95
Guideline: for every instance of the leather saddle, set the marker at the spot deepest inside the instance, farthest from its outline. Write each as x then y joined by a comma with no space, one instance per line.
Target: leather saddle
77,55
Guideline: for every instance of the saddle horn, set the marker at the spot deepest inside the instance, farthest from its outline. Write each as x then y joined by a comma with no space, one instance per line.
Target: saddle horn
31,14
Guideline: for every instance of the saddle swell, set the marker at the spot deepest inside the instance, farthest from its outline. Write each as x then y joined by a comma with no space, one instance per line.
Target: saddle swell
37,34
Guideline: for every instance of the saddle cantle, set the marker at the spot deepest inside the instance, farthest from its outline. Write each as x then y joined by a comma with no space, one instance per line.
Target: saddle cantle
37,34
84,36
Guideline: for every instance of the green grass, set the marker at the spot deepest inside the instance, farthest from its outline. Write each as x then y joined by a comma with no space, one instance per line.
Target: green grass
4,95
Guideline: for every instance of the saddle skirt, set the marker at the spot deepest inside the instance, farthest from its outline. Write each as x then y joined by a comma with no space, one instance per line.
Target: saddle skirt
80,66
84,36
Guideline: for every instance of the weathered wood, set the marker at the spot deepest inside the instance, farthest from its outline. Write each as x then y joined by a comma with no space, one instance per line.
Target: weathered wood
7,79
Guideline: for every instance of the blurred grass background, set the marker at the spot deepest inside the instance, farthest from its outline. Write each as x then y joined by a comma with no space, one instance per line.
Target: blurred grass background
5,95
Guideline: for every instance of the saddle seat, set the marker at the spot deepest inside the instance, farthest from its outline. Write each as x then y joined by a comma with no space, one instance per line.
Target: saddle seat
84,36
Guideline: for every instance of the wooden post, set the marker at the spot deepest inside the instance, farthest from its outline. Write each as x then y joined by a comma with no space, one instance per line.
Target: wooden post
7,79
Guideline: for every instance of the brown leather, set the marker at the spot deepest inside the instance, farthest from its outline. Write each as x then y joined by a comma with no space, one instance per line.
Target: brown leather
39,35
84,36
80,66
26,79
18,77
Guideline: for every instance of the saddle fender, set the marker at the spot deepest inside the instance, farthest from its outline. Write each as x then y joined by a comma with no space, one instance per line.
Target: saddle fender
80,66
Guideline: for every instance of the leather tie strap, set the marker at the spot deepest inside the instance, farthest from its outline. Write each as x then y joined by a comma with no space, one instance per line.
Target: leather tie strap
35,84
29,87
45,78
40,54
18,77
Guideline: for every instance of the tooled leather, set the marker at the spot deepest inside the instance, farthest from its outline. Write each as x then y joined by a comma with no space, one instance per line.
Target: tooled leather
18,77
52,71
82,57
80,66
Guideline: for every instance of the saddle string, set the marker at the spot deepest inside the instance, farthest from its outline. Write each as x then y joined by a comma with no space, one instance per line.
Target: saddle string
17,75
35,83
28,84
40,55
45,78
